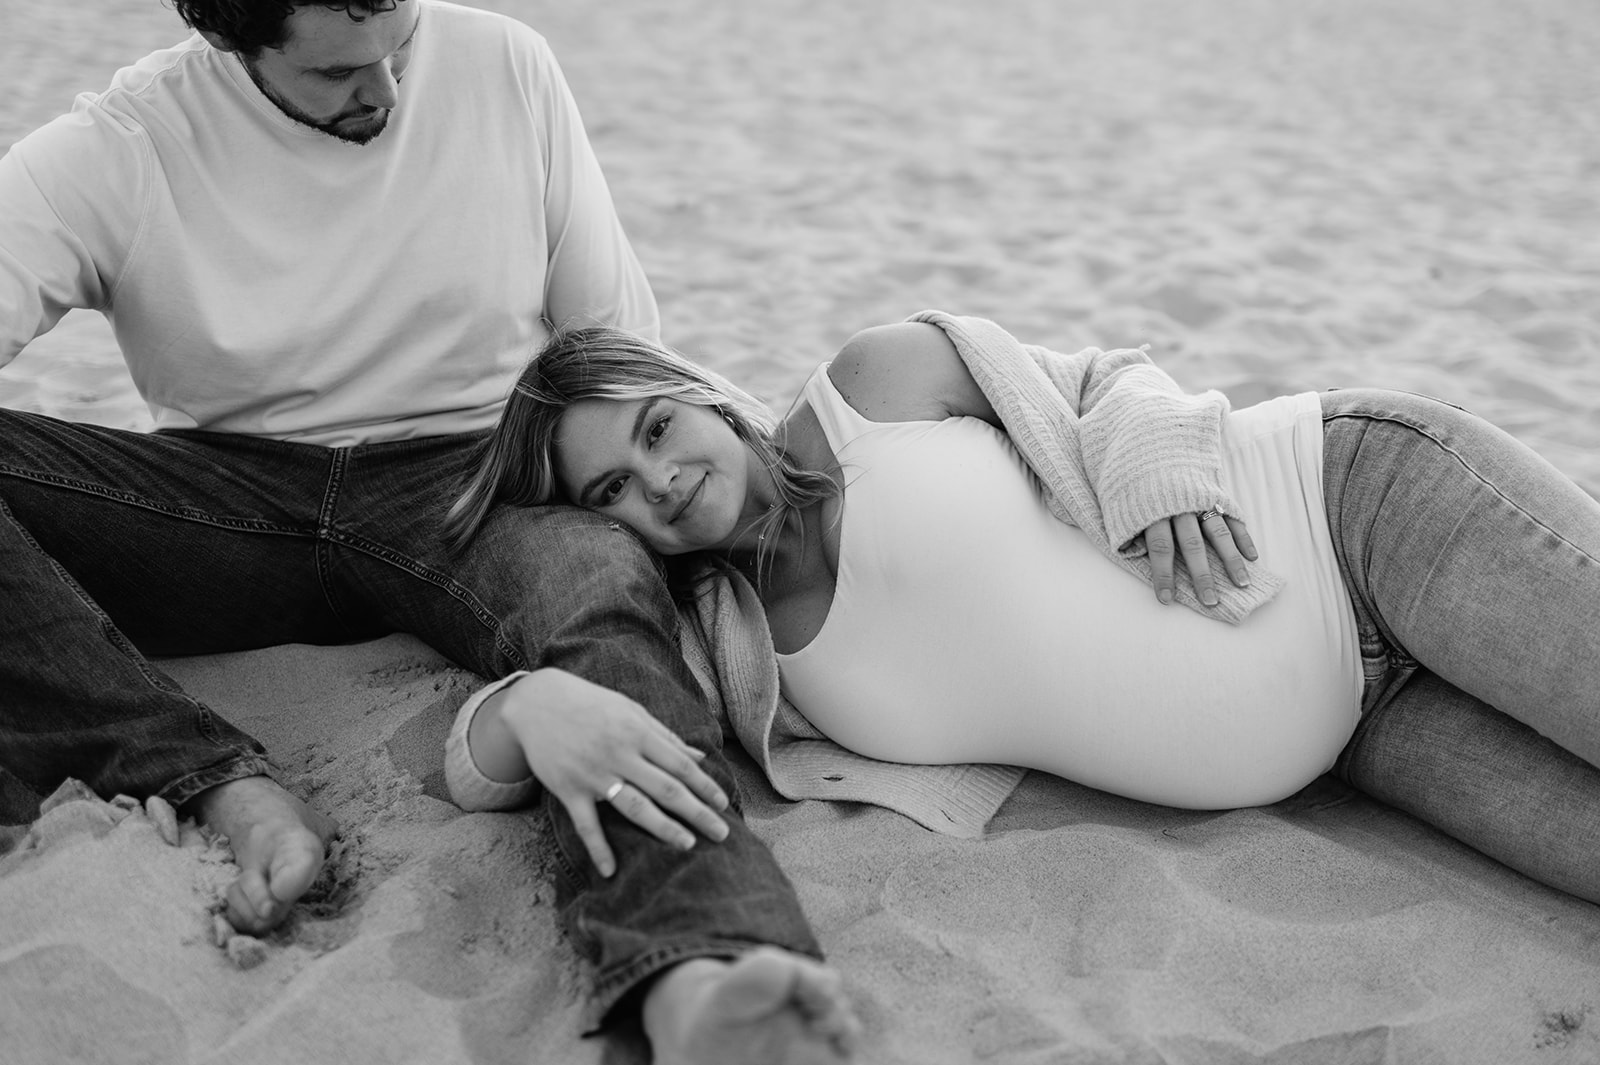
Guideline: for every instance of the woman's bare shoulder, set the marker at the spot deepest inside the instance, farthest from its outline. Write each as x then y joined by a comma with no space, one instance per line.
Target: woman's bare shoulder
905,372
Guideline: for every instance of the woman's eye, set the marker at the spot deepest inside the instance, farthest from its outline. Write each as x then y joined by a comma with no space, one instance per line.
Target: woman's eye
612,490
658,429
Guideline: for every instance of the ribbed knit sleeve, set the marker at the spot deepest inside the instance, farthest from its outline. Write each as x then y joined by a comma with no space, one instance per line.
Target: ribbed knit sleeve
1149,450
469,788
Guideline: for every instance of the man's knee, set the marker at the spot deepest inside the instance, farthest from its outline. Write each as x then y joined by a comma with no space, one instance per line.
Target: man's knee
576,590
569,540
561,561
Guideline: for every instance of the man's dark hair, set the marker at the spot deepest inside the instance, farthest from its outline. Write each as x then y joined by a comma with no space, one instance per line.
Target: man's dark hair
251,25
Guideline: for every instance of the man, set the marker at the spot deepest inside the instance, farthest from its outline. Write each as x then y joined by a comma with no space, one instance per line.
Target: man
326,236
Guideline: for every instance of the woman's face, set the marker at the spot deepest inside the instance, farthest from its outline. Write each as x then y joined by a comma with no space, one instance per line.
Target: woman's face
675,472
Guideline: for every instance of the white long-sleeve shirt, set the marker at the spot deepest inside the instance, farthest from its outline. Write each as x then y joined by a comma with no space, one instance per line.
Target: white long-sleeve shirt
266,278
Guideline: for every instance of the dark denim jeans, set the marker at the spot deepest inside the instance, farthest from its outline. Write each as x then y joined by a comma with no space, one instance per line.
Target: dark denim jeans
1474,567
116,545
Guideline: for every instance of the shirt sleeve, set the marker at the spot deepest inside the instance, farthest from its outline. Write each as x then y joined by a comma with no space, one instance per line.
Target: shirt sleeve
594,276
71,195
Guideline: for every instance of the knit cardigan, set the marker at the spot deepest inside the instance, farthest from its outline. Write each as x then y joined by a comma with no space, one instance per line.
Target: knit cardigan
1116,446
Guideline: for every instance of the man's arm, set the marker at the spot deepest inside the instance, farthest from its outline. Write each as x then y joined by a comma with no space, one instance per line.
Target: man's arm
594,275
69,202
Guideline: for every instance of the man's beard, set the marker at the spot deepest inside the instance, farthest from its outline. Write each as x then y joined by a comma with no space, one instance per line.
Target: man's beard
361,133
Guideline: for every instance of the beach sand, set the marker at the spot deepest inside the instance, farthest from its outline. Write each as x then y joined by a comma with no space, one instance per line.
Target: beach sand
1275,197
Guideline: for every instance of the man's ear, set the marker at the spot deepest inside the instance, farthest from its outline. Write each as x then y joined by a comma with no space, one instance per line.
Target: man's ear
221,42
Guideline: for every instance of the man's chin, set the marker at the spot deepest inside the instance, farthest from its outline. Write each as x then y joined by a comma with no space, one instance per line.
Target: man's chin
358,130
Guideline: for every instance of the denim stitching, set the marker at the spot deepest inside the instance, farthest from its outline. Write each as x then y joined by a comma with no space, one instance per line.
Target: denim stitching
611,986
1382,660
576,882
486,617
182,513
241,765
1392,661
338,461
457,591
113,635
1453,453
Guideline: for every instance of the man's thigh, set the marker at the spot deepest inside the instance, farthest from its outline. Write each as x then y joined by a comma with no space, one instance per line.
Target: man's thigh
538,586
190,542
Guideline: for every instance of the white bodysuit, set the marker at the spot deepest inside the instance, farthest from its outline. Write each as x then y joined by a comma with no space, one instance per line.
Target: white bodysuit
969,625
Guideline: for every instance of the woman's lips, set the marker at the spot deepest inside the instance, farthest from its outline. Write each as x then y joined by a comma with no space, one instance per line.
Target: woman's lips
688,500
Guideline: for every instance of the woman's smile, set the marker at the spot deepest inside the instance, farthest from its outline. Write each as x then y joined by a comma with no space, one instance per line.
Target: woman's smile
688,501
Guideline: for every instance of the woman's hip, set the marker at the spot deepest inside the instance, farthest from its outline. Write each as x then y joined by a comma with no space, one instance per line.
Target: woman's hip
1467,552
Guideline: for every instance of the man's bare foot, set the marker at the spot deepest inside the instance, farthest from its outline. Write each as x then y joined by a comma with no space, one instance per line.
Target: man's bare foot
278,841
767,1006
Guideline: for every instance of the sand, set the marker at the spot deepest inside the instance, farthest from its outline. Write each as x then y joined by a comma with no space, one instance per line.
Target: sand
1274,196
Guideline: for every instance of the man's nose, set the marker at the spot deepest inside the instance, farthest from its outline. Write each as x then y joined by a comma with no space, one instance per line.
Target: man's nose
380,88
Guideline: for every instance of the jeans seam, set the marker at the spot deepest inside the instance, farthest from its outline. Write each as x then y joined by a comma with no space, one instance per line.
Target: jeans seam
457,591
113,635
1380,670
337,462
611,987
182,513
188,786
1423,431
576,881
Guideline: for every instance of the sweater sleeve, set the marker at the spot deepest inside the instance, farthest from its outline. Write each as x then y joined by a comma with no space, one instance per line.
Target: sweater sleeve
1149,449
469,788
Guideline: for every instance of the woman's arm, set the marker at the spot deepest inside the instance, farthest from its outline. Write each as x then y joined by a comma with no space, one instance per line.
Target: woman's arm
579,741
911,371
907,372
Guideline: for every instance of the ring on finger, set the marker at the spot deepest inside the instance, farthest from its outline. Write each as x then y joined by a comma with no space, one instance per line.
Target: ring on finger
613,791
1206,515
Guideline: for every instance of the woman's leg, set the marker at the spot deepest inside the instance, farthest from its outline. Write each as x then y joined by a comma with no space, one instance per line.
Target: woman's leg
1490,781
1474,567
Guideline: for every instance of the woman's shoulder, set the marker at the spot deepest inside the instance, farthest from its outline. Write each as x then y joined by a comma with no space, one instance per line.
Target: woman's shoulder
905,372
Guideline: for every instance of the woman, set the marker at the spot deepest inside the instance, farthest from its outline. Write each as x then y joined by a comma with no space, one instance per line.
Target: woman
1423,616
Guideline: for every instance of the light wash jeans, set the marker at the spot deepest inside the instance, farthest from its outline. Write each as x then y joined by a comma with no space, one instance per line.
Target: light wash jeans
1474,567
116,545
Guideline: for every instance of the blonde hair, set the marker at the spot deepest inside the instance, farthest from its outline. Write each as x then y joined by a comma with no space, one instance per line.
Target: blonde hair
516,465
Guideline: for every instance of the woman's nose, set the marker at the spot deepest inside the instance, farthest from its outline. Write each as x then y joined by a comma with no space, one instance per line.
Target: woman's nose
658,480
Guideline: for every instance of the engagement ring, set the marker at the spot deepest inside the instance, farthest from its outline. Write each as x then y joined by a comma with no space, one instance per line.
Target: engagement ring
1207,515
612,792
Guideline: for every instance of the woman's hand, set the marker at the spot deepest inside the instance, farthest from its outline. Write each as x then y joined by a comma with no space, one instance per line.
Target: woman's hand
582,741
1190,533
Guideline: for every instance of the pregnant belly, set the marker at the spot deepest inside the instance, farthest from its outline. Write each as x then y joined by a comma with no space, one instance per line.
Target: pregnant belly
968,625
1074,669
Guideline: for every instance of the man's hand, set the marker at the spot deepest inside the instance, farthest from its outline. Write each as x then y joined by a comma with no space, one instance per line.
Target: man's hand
581,741
1190,533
